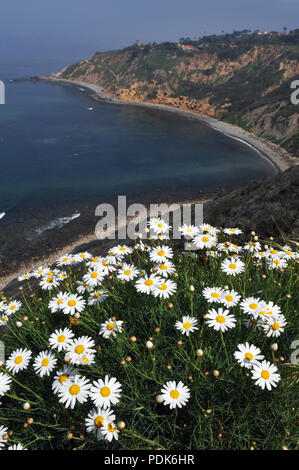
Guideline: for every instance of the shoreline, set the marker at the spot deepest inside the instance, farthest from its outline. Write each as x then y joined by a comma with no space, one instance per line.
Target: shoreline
278,158
84,241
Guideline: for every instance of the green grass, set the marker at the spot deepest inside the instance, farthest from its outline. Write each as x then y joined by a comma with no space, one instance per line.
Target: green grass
224,412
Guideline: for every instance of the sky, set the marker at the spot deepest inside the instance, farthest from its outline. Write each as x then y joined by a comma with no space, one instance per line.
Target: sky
62,31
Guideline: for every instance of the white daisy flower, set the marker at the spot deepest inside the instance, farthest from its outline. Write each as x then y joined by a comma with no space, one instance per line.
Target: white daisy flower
61,339
277,262
142,246
234,248
105,393
158,225
121,250
93,277
160,236
95,420
165,289
44,363
57,302
274,325
40,271
49,283
25,277
79,347
288,254
147,284
97,297
3,431
87,359
253,246
13,307
110,328
75,389
64,260
127,272
165,269
248,355
4,317
209,228
73,303
220,319
204,241
251,305
110,431
265,375
230,298
232,266
5,382
84,287
175,395
18,360
160,254
187,325
232,231
213,294
61,376
189,231
267,309
83,256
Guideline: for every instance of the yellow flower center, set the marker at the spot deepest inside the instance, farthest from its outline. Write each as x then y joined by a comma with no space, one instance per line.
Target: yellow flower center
273,252
127,272
13,307
94,275
45,362
122,248
289,253
163,286
63,378
161,253
249,356
232,266
253,306
79,349
220,319
187,325
18,359
49,280
265,374
74,389
61,339
59,301
110,428
275,326
72,303
215,295
205,239
105,391
276,261
149,282
160,225
99,420
163,267
174,394
229,298
110,326
96,295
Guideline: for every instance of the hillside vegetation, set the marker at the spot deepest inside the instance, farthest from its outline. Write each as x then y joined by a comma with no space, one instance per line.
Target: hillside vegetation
243,79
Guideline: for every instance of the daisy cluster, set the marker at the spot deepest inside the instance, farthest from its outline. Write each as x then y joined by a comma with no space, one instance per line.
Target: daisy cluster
70,297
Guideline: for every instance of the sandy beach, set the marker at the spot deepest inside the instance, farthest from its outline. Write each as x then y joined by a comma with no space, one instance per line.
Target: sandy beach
277,156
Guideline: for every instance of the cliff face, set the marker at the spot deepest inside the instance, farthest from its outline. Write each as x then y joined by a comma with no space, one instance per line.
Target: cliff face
249,88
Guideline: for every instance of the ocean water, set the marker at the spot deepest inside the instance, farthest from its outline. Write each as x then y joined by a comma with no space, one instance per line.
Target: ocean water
58,157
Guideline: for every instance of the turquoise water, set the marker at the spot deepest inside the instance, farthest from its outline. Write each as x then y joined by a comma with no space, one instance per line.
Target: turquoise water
54,150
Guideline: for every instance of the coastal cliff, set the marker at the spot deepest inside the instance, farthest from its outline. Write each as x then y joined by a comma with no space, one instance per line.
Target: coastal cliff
244,84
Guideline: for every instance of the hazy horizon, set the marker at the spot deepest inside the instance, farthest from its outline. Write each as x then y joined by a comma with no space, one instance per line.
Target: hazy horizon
34,31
